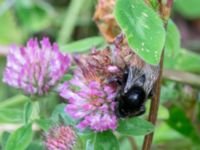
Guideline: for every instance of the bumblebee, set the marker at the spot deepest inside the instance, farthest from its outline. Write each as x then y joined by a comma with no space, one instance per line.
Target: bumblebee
135,84
136,88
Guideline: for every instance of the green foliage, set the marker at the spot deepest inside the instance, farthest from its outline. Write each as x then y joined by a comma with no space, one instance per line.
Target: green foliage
20,139
184,60
27,112
176,128
59,115
35,113
134,127
36,145
143,29
165,133
83,45
69,23
154,4
172,45
10,115
6,91
66,77
198,115
14,101
182,124
188,8
7,21
106,140
168,92
163,113
32,15
100,141
44,124
187,61
4,137
125,144
87,139
170,139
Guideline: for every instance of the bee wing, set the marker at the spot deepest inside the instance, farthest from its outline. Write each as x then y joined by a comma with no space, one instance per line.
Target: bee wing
151,73
133,79
143,77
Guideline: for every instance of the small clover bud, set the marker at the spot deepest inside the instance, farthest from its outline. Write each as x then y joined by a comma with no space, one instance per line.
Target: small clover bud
60,138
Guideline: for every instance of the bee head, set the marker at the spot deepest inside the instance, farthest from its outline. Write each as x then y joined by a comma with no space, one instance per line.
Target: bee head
132,96
135,97
133,79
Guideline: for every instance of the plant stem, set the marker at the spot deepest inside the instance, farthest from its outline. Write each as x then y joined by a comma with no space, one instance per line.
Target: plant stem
164,14
70,20
36,110
4,50
154,106
183,77
133,143
13,127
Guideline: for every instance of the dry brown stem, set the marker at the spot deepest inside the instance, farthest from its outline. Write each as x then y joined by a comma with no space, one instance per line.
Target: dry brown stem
165,10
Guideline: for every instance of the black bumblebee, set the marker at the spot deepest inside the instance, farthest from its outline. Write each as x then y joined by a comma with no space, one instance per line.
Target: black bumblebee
136,87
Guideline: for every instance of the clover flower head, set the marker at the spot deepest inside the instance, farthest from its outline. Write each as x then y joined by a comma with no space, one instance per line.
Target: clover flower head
60,138
35,68
90,101
91,94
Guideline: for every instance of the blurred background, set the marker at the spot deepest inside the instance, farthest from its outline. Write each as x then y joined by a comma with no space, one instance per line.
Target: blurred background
66,21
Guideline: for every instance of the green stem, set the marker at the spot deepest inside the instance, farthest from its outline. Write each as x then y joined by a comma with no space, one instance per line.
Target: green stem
16,100
36,110
70,20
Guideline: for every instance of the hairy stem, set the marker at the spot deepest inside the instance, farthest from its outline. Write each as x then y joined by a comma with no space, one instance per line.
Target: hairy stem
164,14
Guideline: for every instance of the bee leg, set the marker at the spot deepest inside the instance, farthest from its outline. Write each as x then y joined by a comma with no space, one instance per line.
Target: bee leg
119,39
120,111
150,94
141,111
114,79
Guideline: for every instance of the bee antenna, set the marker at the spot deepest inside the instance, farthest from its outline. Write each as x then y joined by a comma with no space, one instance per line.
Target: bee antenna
119,38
